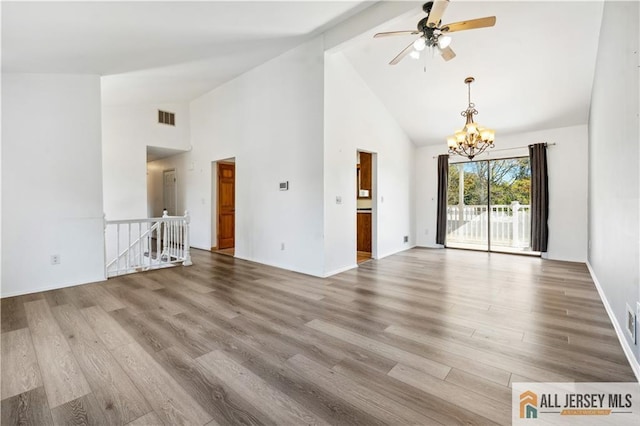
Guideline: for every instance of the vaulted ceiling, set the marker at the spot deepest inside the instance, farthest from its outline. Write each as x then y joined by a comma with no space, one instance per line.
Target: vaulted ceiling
159,51
533,70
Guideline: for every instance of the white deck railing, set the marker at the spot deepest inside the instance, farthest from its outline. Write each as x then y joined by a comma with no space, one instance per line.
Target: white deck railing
510,224
136,245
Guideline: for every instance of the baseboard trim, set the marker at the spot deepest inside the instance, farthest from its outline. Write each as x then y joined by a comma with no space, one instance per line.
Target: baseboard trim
50,287
339,270
279,266
628,351
430,246
391,253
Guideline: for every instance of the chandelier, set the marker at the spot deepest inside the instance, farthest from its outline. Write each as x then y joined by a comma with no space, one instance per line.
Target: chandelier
472,139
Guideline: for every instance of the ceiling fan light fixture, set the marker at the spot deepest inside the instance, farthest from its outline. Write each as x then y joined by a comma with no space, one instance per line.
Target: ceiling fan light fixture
419,44
433,33
444,42
472,139
415,54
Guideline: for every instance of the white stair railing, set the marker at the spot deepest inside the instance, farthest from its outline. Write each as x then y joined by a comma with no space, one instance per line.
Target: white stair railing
136,245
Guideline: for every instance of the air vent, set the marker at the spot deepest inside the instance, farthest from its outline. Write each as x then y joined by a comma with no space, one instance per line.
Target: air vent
165,117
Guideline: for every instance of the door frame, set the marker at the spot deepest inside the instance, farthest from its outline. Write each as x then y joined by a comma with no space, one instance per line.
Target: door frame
489,201
375,197
215,198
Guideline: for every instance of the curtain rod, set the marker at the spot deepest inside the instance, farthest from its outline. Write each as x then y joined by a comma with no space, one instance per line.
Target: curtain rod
508,149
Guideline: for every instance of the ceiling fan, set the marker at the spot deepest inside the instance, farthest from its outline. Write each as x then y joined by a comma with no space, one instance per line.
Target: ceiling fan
433,34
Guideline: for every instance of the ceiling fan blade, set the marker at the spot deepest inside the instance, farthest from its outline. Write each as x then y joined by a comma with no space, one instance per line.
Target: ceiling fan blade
437,10
447,53
402,54
489,21
395,33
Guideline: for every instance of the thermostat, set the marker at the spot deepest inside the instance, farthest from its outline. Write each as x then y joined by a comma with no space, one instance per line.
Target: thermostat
284,186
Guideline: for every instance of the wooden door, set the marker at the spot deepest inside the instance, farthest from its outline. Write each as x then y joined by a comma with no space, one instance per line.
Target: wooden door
226,205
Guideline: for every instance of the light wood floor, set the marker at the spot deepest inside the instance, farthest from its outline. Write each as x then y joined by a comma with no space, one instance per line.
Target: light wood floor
421,337
228,251
363,256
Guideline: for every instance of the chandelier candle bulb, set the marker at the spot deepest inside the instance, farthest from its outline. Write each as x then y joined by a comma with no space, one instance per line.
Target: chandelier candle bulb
487,134
472,139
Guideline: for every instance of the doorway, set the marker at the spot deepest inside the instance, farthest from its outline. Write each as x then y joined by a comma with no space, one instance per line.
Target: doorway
170,192
226,207
365,200
488,206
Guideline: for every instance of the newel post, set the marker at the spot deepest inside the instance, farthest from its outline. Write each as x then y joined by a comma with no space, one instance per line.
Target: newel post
187,248
165,232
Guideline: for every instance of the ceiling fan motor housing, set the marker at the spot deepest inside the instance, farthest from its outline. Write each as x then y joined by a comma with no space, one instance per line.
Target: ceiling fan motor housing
427,32
427,7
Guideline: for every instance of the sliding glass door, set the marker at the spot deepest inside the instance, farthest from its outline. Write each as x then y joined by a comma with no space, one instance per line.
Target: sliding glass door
488,205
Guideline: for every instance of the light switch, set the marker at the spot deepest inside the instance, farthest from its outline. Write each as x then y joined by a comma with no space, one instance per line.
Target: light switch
338,199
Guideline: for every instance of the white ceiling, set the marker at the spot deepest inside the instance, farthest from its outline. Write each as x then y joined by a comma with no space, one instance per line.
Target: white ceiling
533,70
157,153
158,51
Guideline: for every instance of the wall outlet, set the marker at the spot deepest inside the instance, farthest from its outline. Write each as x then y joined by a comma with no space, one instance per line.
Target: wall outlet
55,259
281,246
406,239
631,323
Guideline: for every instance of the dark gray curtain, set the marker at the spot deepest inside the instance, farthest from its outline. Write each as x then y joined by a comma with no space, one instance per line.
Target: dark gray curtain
539,197
443,178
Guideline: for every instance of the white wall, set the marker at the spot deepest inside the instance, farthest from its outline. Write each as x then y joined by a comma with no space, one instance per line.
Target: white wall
614,179
126,133
51,181
567,168
269,119
355,119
